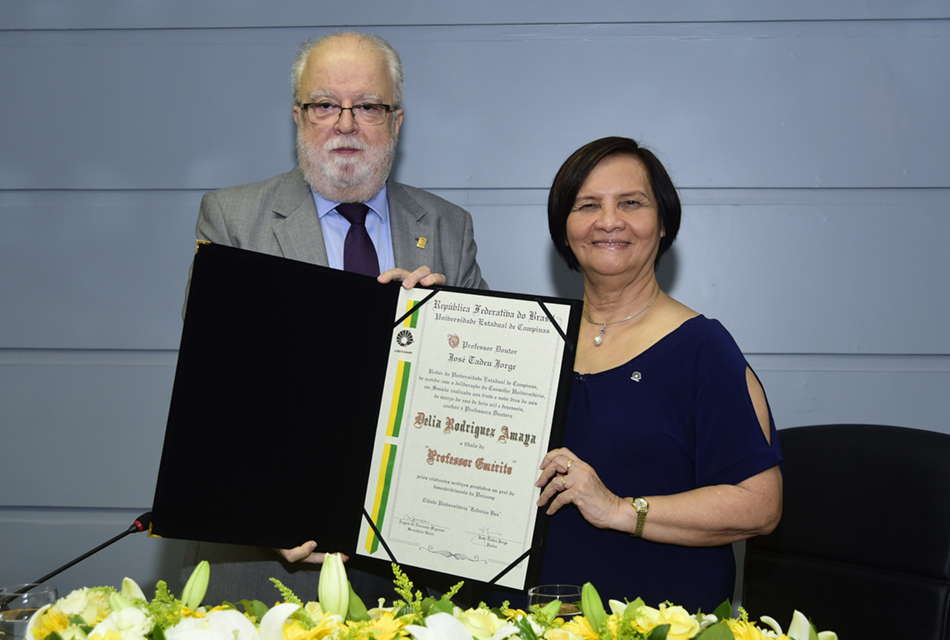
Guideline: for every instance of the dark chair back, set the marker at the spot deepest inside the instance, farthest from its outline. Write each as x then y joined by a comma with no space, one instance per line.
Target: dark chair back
863,548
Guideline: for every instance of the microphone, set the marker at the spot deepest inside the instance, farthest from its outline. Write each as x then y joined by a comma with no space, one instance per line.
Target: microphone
140,524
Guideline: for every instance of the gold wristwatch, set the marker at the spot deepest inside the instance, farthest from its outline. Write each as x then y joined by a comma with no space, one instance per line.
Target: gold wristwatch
642,507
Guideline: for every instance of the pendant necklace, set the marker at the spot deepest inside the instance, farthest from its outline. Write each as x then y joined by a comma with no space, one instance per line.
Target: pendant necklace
598,339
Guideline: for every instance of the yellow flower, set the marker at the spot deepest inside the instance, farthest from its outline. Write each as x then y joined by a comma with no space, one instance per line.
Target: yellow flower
512,614
744,630
386,627
327,625
315,610
682,625
108,635
614,622
52,620
186,612
296,631
561,634
89,604
581,628
481,623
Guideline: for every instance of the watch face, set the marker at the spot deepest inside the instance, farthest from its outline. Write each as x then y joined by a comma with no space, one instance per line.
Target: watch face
641,504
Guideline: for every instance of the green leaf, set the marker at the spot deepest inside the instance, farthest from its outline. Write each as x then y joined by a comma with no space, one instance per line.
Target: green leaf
52,635
630,612
525,630
660,632
723,611
158,633
356,610
427,603
443,605
254,608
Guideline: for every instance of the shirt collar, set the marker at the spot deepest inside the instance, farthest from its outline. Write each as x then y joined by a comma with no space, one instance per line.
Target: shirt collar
378,204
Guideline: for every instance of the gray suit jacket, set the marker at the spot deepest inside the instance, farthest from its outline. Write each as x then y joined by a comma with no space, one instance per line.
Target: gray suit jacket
278,217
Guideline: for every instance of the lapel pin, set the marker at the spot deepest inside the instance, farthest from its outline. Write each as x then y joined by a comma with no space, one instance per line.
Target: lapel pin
421,243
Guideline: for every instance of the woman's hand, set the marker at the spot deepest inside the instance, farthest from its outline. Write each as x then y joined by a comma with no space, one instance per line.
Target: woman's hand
304,553
423,275
568,479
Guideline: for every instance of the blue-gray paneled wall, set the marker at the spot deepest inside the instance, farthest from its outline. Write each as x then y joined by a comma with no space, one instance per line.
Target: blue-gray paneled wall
810,140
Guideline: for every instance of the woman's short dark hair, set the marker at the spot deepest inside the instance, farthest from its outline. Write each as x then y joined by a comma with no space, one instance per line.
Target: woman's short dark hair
572,174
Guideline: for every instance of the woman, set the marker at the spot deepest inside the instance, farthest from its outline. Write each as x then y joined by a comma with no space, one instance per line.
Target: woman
670,453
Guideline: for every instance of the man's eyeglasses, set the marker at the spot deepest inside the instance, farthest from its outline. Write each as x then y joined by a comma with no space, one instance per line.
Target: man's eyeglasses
369,113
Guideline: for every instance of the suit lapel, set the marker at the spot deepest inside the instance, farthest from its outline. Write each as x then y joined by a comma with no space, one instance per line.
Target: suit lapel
298,232
409,224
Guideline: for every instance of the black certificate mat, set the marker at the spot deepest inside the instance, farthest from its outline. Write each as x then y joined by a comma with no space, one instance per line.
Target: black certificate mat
276,401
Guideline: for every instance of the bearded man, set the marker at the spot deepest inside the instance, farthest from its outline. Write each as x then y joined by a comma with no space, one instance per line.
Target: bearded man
348,109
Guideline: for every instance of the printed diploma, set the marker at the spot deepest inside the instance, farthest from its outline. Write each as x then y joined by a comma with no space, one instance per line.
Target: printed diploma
465,419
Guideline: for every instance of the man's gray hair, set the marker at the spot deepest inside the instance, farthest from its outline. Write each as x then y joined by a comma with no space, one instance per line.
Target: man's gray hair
389,55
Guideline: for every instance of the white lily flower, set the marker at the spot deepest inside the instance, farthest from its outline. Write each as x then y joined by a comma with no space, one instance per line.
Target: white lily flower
509,630
616,607
439,626
377,612
131,589
190,629
217,625
232,625
197,585
131,623
272,624
706,620
118,602
799,629
83,602
773,623
333,589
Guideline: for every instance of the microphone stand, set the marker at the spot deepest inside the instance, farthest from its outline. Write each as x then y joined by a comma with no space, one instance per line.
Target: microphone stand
141,524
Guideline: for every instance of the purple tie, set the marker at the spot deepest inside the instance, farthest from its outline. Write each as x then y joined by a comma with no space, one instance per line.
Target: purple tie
359,254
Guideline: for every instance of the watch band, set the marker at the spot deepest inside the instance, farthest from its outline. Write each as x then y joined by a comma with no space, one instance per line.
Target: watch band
642,507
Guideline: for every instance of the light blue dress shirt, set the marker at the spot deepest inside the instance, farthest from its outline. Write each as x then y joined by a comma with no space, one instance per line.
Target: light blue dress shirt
335,227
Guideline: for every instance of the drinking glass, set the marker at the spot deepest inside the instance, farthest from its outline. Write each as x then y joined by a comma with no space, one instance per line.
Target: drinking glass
568,594
18,602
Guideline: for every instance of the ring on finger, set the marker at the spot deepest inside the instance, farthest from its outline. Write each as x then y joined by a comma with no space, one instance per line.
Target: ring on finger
569,463
563,482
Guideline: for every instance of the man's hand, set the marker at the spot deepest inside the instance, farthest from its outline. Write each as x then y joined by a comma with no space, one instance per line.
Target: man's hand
305,553
422,275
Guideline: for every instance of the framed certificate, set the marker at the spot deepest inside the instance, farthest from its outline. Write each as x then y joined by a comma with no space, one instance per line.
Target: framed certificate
312,403
470,407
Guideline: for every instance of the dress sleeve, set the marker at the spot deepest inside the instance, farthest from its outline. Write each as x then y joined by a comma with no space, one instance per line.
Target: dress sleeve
730,445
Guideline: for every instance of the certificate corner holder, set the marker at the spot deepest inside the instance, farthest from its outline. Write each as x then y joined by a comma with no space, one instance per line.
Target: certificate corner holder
561,332
379,535
512,565
415,307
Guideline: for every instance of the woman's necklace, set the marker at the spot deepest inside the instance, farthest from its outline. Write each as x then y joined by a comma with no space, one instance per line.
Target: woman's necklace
598,339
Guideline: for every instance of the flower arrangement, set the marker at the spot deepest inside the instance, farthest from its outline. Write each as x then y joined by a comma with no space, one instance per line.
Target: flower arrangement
105,613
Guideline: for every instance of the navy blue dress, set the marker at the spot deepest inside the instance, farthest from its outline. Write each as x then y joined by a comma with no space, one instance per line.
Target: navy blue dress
676,417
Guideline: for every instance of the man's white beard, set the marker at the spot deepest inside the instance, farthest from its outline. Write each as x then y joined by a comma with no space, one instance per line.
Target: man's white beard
343,179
